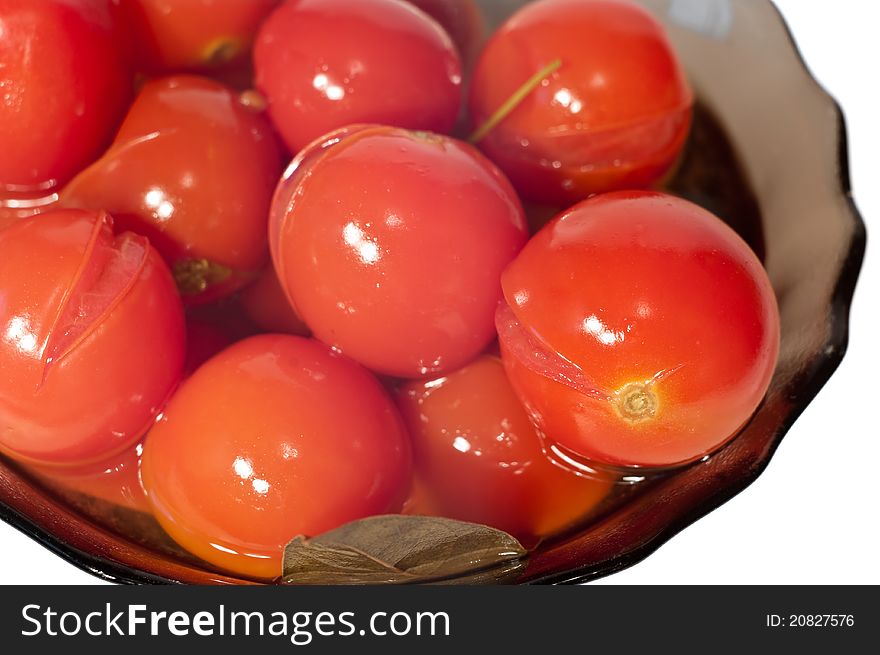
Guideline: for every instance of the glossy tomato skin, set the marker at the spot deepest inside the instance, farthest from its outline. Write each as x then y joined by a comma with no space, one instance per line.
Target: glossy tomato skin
194,35
192,168
277,436
64,86
479,458
324,64
614,115
390,245
639,330
92,338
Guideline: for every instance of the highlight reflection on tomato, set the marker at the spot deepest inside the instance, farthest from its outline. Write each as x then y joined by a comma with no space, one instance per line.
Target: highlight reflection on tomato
614,115
64,85
479,459
15,206
324,64
391,243
274,437
638,329
91,338
192,168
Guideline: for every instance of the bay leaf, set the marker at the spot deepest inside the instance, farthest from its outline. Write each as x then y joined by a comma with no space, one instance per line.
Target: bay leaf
403,549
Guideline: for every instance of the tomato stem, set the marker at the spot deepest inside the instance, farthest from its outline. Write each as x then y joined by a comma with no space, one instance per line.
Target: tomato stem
513,101
193,276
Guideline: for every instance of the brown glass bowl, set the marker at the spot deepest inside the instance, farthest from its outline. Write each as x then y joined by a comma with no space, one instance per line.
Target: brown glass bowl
767,154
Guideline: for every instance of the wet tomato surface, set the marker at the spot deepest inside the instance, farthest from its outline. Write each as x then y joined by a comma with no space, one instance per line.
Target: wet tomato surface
390,244
173,174
323,64
276,436
479,459
64,86
639,330
613,114
91,338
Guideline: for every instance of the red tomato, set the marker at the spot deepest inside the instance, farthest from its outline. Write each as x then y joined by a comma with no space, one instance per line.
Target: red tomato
462,21
639,330
64,86
91,338
614,115
194,35
391,244
276,436
193,169
323,64
265,304
480,459
114,480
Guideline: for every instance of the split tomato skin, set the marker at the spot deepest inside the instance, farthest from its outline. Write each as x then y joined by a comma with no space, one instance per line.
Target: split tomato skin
92,340
194,35
64,86
274,437
390,245
193,168
324,64
614,115
478,458
638,330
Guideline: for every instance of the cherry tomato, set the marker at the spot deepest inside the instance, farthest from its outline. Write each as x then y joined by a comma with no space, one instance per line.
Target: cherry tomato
391,243
91,338
614,115
194,35
639,330
193,169
481,460
274,437
265,304
64,86
115,479
462,21
323,64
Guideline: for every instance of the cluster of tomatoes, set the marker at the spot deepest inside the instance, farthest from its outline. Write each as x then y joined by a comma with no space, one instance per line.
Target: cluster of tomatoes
250,353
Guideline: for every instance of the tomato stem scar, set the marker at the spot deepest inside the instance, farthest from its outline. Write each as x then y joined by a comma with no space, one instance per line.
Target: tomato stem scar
221,50
513,101
635,402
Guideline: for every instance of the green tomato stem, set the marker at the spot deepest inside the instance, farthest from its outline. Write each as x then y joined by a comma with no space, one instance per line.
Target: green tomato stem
193,276
513,101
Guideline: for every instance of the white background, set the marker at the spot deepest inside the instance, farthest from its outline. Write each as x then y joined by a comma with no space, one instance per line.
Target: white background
813,516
